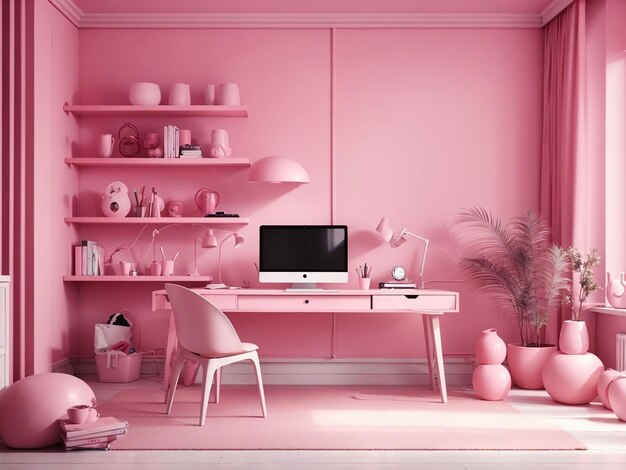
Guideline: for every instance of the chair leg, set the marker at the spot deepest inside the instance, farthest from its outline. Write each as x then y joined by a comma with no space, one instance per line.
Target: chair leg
209,371
218,384
259,379
174,382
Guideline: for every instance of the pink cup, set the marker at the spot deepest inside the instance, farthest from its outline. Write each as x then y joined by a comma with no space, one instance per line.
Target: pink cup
168,267
155,269
185,137
78,414
228,94
104,147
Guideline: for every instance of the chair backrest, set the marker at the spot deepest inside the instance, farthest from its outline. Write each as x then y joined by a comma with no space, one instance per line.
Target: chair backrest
202,328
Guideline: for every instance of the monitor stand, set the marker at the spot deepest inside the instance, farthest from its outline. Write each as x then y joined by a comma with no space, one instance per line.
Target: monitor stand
303,286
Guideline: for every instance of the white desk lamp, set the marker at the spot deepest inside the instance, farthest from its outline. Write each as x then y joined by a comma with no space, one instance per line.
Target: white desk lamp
220,284
208,240
395,239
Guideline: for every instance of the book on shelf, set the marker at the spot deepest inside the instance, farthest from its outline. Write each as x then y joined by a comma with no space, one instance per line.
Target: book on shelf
397,285
88,258
106,423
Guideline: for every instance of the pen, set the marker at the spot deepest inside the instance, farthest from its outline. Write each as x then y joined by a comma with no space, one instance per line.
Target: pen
163,252
175,256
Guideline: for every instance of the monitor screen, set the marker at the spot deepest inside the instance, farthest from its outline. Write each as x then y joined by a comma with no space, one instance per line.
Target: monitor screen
303,253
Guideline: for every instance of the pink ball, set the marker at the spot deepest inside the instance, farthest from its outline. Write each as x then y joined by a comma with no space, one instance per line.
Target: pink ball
30,407
491,381
603,386
572,379
617,397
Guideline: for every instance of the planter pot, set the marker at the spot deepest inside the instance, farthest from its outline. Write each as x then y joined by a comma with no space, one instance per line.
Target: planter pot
489,348
572,379
491,381
574,338
526,364
603,386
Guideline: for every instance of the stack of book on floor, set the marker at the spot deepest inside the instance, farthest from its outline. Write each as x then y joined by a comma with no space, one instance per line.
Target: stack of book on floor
94,435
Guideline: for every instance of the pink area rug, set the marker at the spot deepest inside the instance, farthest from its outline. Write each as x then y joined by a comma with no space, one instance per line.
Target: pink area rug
325,418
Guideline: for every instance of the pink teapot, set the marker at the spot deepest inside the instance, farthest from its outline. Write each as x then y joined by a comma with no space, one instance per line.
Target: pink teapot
615,291
207,200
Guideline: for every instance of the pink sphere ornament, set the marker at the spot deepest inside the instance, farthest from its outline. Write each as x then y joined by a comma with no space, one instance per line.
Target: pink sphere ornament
489,347
491,381
617,397
574,338
603,386
30,407
572,379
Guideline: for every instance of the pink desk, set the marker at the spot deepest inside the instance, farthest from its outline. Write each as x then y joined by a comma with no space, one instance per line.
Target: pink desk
431,304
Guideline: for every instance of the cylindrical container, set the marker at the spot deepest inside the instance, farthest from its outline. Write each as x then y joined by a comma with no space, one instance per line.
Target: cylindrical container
104,147
125,265
220,145
209,94
168,267
364,283
489,347
185,137
228,94
156,268
574,338
491,381
180,94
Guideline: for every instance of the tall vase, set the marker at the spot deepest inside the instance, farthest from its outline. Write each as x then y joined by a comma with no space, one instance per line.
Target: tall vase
571,376
491,380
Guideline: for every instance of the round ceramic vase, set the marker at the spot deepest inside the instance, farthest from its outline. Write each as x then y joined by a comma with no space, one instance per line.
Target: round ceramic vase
526,364
491,382
603,386
617,396
572,379
574,338
489,347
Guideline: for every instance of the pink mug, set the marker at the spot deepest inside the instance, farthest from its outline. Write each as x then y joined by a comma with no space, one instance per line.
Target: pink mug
105,145
228,94
78,414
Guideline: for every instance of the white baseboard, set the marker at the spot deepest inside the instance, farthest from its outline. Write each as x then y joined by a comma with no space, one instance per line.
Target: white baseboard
63,366
345,371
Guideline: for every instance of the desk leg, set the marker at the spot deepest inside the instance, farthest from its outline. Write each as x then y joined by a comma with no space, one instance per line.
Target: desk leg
436,336
429,350
170,348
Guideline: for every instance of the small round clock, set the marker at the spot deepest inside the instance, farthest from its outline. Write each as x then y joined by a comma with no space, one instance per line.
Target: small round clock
398,273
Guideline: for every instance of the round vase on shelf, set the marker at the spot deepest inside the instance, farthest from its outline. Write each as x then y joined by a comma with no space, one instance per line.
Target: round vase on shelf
491,381
526,364
572,379
617,396
490,348
574,338
603,386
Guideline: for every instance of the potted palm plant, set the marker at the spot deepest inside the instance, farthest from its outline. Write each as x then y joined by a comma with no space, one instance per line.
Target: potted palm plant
525,275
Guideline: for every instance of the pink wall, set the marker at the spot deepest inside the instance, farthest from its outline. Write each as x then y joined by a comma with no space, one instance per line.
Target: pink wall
424,122
56,79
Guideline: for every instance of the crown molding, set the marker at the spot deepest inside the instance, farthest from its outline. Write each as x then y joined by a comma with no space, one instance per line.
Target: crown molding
294,20
553,9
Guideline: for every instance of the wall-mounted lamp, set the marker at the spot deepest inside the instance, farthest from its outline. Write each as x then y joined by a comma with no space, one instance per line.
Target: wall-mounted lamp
395,239
277,170
219,284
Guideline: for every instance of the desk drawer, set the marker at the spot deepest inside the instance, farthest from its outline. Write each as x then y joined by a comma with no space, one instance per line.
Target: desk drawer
304,302
426,303
224,302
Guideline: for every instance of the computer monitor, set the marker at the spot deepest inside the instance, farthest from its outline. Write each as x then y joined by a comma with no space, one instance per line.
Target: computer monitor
303,254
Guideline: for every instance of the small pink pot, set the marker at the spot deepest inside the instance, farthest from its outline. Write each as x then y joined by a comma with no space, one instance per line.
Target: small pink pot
617,396
491,382
572,379
526,364
603,386
489,347
574,338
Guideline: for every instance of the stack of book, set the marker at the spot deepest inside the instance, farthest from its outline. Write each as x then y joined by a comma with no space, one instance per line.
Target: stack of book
190,151
88,259
93,435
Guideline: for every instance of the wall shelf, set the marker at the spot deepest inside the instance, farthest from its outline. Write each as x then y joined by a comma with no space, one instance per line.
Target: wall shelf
159,162
155,111
209,221
197,279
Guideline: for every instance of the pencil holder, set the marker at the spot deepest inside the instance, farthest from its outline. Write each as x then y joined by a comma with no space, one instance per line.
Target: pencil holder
364,283
168,267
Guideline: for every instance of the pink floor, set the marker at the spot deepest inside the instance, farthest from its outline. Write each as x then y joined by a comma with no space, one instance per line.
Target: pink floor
322,417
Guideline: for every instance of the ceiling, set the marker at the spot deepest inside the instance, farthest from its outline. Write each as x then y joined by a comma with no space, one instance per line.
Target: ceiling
316,6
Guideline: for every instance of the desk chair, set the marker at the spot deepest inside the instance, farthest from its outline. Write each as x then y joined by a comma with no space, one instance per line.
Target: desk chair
206,336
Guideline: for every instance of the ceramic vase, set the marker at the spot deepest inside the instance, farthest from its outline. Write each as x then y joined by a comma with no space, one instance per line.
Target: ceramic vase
526,364
491,380
574,338
572,379
490,348
617,396
603,386
615,291
180,94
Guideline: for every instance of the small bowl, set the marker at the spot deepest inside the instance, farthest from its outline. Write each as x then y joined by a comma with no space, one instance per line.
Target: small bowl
144,94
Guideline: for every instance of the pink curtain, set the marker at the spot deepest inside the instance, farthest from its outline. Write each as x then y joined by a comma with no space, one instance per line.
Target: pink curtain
563,186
